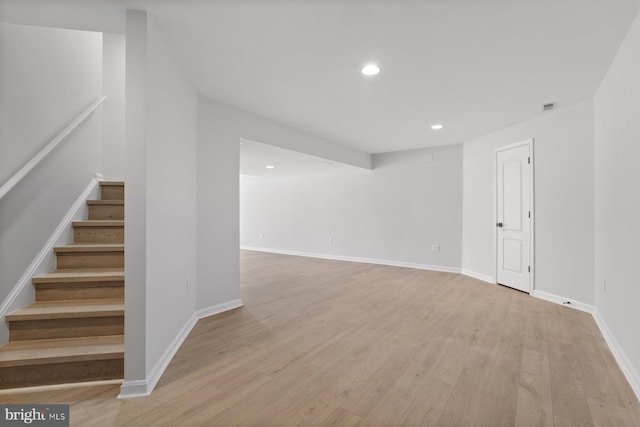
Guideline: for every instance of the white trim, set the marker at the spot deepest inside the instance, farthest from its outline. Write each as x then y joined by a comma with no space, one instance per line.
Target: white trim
133,389
47,249
218,308
514,145
143,388
618,353
532,235
24,170
566,302
479,276
442,268
172,349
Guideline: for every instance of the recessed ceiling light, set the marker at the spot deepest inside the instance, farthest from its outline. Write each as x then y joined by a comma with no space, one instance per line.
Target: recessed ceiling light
270,167
370,70
437,126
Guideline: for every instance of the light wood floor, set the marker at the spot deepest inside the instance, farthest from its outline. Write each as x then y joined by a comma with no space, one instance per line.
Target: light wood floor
334,343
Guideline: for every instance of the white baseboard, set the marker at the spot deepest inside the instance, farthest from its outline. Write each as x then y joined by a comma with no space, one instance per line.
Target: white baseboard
45,257
392,263
218,308
143,388
479,276
618,353
567,302
133,389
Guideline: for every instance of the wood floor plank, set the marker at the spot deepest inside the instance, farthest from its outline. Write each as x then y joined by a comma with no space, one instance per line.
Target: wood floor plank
322,342
534,391
568,395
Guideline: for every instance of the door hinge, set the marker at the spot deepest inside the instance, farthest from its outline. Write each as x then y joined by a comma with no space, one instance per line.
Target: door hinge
529,160
529,269
529,214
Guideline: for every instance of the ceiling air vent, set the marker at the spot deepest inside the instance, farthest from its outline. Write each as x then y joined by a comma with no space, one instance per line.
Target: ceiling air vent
548,107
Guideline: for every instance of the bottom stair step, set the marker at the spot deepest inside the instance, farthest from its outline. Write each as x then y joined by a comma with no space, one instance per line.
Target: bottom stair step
59,361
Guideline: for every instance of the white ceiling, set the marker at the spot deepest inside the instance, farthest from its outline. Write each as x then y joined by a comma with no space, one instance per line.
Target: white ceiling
255,156
473,65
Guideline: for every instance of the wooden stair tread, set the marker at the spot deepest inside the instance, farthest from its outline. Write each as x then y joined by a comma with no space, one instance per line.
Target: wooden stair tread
68,309
91,247
23,353
105,202
99,223
74,331
92,269
72,276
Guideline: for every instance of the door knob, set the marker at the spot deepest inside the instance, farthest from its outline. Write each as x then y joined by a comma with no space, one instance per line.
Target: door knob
499,224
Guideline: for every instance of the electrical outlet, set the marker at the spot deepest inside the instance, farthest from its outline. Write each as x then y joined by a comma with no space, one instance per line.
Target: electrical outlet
435,248
428,157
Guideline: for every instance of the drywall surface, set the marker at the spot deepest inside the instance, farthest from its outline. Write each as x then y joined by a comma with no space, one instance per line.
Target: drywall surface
218,245
563,167
171,198
220,128
47,78
258,128
113,109
617,200
410,201
135,208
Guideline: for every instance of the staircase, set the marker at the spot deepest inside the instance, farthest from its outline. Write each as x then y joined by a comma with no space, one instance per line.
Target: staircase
74,332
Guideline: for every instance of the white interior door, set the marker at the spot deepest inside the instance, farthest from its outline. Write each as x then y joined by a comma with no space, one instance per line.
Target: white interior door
513,222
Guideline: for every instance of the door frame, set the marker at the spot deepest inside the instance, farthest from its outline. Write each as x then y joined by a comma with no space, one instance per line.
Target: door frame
530,144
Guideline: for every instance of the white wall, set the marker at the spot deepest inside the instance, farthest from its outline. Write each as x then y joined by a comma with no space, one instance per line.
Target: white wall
394,213
135,207
113,109
258,128
617,200
218,168
563,167
47,77
160,201
171,198
220,128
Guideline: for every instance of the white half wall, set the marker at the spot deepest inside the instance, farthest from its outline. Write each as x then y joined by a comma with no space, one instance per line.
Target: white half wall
563,168
48,77
410,201
617,203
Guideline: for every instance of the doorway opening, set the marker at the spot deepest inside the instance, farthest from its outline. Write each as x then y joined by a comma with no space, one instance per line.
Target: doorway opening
514,215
